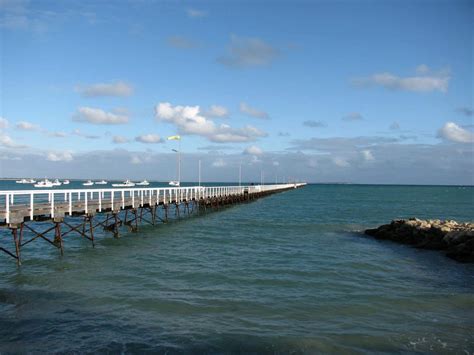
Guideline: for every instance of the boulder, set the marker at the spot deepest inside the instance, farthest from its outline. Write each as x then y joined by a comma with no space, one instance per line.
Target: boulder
456,238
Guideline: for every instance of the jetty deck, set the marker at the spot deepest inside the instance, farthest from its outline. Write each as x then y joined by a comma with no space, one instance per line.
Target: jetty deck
80,211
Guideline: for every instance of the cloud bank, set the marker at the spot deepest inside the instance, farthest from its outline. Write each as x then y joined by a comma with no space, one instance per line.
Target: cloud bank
190,120
248,52
98,116
425,80
452,132
117,89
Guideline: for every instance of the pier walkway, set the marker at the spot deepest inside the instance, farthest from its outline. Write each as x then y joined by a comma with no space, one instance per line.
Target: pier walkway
80,211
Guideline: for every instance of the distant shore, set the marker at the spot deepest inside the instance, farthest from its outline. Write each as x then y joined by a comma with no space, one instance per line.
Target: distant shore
456,239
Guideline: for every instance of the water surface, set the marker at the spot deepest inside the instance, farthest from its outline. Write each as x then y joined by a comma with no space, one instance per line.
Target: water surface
287,273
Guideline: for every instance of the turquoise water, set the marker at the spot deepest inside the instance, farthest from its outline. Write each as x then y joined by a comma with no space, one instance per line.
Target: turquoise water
287,273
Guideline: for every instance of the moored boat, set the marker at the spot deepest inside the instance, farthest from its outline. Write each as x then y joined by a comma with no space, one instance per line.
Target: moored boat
174,183
102,182
88,183
56,182
126,183
44,183
143,183
66,182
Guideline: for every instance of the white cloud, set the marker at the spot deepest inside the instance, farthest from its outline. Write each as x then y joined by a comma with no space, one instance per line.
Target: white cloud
98,116
149,138
422,69
120,139
253,150
59,156
27,126
248,52
58,134
252,111
7,141
452,132
341,162
3,123
353,116
193,13
78,132
367,155
136,160
217,111
118,89
189,120
219,163
424,81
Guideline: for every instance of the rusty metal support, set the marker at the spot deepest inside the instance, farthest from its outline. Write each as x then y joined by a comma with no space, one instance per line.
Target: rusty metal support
58,240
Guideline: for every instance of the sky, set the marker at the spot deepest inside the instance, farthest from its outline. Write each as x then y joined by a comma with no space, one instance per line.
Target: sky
321,91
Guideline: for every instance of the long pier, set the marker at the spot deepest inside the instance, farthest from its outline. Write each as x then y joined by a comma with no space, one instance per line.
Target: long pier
81,211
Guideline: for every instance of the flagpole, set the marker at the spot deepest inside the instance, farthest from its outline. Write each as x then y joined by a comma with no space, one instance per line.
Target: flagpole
179,162
199,172
240,174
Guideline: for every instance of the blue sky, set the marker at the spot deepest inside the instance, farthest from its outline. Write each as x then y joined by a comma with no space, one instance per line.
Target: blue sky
351,91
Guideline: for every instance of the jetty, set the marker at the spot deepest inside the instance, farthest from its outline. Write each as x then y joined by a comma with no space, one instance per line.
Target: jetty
53,214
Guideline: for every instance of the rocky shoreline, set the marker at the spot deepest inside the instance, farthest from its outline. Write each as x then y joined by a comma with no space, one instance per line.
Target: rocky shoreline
457,239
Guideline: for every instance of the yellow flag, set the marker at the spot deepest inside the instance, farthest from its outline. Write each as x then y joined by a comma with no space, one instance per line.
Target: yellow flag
176,138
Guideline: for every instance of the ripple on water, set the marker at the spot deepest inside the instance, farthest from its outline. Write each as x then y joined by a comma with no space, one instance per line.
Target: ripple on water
288,273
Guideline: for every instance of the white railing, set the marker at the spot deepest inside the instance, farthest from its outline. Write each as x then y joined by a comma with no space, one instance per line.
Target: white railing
28,198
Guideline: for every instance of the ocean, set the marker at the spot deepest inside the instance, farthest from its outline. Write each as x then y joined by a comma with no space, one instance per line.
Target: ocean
289,273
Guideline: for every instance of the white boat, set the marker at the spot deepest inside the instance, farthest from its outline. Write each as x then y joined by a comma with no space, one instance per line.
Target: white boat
174,183
44,183
56,182
126,183
102,182
66,182
22,181
88,183
143,183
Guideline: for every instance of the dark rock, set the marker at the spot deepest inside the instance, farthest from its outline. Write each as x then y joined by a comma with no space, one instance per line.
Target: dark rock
456,238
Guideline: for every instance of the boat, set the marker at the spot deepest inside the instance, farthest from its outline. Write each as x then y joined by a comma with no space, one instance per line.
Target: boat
44,183
102,182
56,182
126,183
66,182
174,183
25,181
88,183
143,183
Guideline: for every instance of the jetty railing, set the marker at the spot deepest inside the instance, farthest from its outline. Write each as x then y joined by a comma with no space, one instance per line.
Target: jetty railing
53,214
115,198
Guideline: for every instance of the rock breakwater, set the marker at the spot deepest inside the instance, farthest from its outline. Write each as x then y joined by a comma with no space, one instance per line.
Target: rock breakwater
457,239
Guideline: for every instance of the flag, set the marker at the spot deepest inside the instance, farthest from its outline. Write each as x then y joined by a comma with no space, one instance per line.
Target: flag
176,138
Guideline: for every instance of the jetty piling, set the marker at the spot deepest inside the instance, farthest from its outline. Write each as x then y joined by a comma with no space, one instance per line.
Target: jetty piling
51,215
